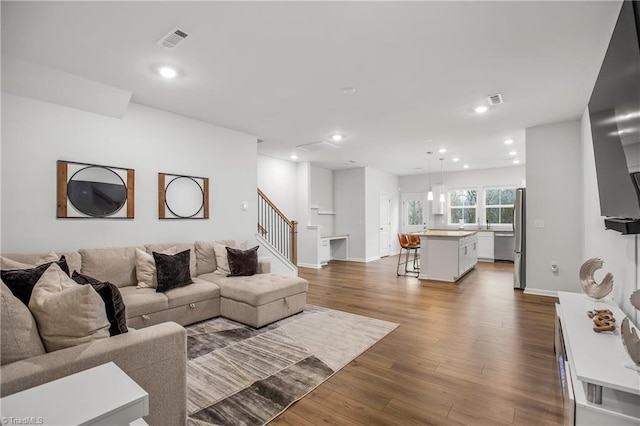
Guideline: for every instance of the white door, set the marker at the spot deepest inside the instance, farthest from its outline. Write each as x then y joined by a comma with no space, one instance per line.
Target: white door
414,212
385,224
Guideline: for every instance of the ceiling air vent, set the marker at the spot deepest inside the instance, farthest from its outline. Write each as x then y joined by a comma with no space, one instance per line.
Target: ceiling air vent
173,38
317,146
495,99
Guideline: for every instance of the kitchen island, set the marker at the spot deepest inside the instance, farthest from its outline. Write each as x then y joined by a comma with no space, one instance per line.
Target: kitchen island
447,255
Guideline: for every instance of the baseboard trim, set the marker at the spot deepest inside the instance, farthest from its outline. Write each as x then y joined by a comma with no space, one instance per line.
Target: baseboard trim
361,260
309,265
540,292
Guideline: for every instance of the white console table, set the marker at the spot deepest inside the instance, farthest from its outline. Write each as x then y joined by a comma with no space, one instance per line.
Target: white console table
599,389
102,395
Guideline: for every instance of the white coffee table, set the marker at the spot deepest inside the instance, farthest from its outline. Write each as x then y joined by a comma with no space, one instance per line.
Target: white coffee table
102,395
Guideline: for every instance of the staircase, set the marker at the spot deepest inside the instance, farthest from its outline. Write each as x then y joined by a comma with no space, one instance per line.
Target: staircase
277,232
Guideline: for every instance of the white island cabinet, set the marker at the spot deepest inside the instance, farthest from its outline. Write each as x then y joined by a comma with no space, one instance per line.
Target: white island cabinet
447,255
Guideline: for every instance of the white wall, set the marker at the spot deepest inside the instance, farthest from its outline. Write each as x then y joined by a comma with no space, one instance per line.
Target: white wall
36,134
349,205
554,195
619,252
276,179
504,176
321,196
377,182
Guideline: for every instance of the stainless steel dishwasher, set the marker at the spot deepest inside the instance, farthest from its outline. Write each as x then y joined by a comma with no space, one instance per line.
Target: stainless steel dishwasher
504,246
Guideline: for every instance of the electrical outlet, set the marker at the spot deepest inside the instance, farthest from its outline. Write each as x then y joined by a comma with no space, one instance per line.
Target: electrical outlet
539,223
554,266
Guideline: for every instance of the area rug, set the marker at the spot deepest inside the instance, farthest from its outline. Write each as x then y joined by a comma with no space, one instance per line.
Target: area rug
238,375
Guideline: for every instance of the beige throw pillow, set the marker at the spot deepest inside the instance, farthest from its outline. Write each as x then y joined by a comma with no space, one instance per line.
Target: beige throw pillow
146,267
222,262
20,338
10,264
67,313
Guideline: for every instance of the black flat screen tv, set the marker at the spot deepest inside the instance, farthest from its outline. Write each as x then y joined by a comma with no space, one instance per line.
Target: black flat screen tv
614,111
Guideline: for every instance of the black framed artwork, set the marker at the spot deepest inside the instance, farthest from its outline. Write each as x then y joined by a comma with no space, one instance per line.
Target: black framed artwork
94,191
183,197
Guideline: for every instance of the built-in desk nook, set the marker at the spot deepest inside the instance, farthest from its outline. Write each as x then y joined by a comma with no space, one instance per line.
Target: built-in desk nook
334,247
447,255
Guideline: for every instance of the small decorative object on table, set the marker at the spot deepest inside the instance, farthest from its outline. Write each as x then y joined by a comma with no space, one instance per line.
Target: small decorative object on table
635,299
603,320
588,283
631,342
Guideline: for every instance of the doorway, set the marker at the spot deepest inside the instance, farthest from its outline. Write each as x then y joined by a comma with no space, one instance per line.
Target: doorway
385,224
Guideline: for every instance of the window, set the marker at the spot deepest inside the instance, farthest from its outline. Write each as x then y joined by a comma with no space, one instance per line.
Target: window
414,212
462,206
498,205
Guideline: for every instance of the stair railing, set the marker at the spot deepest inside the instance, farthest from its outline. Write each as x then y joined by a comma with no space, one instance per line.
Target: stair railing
277,229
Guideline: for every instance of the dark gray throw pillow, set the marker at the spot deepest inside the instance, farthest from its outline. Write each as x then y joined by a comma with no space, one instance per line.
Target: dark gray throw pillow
242,262
172,271
113,303
22,281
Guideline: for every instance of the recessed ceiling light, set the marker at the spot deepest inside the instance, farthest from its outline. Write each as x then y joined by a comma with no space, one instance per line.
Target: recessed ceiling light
337,137
512,153
442,150
516,161
455,159
348,90
294,157
481,109
167,72
466,166
508,142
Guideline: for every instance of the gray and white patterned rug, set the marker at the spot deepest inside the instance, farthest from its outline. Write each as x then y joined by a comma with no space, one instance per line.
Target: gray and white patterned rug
238,375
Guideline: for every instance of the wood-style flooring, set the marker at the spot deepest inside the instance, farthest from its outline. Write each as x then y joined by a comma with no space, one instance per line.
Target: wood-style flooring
475,352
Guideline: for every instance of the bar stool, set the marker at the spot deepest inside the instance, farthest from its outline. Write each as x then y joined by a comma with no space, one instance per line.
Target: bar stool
409,243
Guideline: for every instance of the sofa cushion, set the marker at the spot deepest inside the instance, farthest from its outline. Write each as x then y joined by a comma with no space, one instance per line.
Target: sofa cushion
258,289
113,303
161,247
141,301
67,313
173,270
19,335
26,261
114,264
22,281
198,291
242,262
146,272
206,256
35,259
222,261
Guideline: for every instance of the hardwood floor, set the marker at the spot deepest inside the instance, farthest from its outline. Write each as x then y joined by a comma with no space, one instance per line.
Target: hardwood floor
476,352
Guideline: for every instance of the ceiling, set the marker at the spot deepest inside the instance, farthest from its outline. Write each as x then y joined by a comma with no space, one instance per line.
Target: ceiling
276,70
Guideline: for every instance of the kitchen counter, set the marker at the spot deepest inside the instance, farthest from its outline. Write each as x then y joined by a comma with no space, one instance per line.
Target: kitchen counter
447,255
446,233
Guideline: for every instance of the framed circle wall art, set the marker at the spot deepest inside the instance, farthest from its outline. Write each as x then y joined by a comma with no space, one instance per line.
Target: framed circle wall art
94,191
183,197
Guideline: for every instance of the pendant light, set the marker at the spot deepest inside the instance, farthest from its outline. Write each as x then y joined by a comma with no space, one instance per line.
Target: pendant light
441,180
430,193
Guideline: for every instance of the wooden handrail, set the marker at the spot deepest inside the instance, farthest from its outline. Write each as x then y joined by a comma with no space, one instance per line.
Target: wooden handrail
274,233
273,206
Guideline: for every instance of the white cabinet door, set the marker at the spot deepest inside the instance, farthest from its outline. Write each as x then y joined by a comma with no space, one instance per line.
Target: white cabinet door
325,251
485,246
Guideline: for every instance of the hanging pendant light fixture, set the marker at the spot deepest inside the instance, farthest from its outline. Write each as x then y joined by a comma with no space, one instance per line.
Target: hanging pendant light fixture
441,180
430,193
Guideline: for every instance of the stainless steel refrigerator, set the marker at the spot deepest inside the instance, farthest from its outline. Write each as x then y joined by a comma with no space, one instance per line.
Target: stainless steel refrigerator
519,227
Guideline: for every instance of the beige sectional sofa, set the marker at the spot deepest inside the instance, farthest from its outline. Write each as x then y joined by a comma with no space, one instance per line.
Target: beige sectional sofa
154,353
